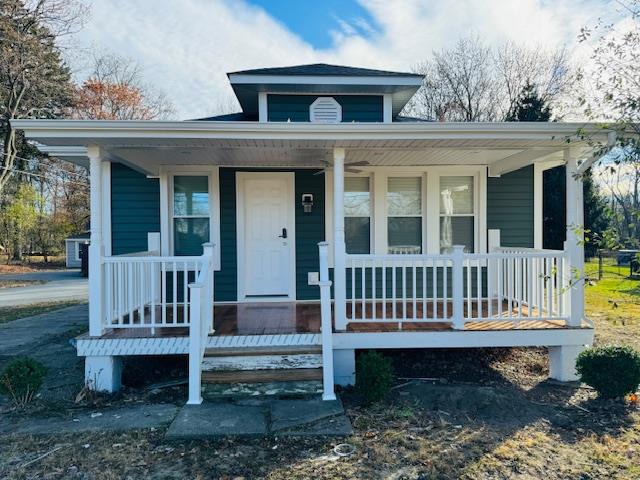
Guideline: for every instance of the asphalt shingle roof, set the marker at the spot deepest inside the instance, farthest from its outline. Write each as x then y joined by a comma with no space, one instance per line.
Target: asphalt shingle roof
324,69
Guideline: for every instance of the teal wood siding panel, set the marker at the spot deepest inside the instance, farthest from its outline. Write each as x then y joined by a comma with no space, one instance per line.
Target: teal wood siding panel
226,280
309,231
295,108
135,209
510,207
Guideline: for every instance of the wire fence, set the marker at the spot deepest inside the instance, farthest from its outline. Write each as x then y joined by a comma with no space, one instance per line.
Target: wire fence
614,263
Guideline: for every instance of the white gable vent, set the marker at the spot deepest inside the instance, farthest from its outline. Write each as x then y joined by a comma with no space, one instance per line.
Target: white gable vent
325,110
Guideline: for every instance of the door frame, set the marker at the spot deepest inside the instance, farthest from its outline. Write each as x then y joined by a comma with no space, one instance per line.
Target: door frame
241,177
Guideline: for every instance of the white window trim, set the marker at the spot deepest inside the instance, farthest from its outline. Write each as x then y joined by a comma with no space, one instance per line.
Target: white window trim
424,213
167,175
430,199
76,250
372,215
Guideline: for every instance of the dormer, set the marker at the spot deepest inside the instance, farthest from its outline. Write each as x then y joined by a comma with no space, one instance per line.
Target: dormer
321,93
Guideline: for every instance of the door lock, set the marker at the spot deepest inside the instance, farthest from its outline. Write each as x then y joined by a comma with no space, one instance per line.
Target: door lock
284,233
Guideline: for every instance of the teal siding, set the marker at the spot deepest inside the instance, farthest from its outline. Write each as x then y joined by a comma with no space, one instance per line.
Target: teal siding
309,231
295,108
135,209
510,207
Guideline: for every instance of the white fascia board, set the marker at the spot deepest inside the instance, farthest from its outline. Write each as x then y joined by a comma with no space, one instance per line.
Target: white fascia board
239,79
63,151
464,339
97,129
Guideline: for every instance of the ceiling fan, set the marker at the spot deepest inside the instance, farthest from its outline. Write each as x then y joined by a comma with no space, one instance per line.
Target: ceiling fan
347,167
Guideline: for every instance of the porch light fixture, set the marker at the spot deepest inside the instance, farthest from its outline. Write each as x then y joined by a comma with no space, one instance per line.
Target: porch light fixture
307,202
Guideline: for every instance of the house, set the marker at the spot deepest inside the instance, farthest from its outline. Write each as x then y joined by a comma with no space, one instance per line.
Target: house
73,249
273,243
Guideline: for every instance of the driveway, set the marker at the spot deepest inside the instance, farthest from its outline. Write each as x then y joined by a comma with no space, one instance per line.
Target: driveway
61,285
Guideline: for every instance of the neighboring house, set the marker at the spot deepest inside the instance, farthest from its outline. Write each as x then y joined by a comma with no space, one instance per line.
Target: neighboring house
73,249
230,238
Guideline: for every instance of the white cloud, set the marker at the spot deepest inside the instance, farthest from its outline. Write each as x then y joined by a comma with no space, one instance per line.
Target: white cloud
186,47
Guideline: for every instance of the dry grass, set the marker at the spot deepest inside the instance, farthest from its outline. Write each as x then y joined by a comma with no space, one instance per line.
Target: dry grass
33,263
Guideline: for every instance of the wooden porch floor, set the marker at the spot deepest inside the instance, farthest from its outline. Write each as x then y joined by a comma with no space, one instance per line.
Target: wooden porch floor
291,318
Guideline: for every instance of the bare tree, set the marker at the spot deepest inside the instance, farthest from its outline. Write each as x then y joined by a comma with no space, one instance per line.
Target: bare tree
473,82
34,81
115,91
517,66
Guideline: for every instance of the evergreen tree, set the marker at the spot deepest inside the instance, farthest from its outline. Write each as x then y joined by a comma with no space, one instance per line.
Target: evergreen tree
530,107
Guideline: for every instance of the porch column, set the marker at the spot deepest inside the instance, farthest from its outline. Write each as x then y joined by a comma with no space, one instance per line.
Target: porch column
574,245
339,252
96,248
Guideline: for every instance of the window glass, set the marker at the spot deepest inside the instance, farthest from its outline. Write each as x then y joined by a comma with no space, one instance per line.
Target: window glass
404,196
189,234
190,214
404,235
457,222
456,231
190,196
357,212
456,195
404,215
357,198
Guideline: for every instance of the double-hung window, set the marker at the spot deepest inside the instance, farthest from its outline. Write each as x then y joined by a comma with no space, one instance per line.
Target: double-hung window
191,213
404,215
457,221
357,214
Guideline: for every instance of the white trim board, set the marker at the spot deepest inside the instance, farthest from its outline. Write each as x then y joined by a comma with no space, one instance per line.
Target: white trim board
166,206
241,177
465,339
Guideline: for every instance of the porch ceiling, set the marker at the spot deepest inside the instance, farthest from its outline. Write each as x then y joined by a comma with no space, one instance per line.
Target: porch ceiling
148,145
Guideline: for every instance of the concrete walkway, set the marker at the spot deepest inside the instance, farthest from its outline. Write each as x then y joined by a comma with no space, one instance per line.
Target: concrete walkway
21,337
46,337
61,285
259,418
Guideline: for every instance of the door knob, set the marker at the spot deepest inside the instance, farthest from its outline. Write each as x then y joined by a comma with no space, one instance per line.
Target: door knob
284,233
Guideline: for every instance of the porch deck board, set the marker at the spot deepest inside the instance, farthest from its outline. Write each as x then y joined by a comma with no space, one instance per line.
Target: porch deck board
295,318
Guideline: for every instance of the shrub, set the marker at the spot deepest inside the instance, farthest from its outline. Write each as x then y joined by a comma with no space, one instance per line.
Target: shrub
374,376
612,371
21,379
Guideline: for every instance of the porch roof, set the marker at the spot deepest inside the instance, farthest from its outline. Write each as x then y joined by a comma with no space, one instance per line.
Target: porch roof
503,147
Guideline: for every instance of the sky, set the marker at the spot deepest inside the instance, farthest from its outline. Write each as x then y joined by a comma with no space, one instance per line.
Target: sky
186,47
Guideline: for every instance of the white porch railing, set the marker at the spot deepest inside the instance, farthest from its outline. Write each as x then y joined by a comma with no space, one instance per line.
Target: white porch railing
143,290
506,285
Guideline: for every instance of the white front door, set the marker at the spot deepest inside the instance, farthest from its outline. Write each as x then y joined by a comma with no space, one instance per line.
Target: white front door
266,235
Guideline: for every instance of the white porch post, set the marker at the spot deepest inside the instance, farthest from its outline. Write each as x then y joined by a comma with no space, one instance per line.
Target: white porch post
339,268
96,248
574,245
328,391
457,287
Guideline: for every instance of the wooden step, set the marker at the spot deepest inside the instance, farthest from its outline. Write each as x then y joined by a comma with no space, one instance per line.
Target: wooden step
250,351
262,362
262,376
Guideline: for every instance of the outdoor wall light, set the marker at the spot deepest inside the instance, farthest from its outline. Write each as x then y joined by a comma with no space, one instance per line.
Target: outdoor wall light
307,202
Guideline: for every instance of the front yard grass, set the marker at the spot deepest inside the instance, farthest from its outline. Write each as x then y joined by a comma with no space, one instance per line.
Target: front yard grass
9,314
531,429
